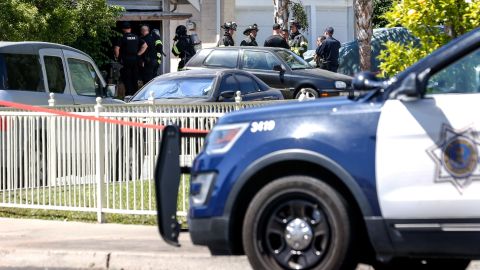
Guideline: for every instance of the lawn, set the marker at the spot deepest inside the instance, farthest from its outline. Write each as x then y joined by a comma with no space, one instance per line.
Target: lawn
132,195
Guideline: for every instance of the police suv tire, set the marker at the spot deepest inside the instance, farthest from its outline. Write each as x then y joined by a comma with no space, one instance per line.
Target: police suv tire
335,210
310,91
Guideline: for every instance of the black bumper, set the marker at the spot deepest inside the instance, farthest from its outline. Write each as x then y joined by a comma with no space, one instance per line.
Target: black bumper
213,233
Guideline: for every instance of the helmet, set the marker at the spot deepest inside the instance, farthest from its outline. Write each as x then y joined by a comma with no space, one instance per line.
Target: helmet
181,30
229,25
250,28
294,22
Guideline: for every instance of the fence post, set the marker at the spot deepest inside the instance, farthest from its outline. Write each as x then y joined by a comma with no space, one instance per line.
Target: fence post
51,100
238,100
100,161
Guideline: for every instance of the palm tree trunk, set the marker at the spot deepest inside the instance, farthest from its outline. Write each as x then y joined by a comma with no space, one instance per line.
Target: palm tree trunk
281,12
364,29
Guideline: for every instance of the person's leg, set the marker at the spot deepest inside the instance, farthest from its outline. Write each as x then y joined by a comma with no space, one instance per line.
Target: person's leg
126,78
135,78
147,73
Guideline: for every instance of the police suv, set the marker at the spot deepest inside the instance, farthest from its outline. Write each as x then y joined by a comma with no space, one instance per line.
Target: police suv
390,178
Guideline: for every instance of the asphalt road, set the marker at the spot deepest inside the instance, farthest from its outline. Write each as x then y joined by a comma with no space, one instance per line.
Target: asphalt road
40,244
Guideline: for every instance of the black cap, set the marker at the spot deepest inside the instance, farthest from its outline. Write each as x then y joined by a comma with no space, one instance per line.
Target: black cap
276,26
329,30
126,25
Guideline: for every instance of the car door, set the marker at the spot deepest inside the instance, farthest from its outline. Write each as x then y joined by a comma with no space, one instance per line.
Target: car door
228,84
261,63
427,161
54,71
85,79
250,89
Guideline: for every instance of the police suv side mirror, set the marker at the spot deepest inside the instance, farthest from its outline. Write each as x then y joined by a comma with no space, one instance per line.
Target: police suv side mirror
280,68
409,87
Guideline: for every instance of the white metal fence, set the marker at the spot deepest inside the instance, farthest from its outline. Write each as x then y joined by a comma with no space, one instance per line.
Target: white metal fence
57,162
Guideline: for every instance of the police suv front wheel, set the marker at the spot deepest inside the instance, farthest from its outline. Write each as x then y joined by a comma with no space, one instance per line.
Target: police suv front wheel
298,222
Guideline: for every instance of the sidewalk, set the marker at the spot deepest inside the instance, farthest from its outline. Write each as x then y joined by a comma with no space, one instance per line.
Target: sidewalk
40,244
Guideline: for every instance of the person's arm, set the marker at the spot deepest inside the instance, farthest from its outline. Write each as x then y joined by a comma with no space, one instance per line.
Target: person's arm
303,45
116,51
285,44
143,48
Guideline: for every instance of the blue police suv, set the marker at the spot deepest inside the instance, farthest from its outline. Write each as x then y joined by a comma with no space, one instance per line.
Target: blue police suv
390,178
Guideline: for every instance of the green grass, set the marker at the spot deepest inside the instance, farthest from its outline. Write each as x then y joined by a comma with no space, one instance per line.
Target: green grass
129,192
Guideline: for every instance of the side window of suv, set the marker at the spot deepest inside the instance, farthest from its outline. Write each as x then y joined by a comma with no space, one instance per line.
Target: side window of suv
21,72
463,76
85,80
55,74
222,58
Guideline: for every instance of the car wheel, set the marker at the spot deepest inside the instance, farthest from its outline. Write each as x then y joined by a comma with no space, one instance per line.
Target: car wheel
310,93
428,264
298,222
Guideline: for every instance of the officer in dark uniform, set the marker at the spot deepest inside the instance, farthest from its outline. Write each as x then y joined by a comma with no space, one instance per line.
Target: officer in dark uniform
251,33
276,40
150,63
183,46
329,51
128,51
298,43
227,40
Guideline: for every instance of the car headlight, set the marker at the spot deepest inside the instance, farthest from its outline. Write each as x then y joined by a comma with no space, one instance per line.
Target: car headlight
222,138
201,186
340,85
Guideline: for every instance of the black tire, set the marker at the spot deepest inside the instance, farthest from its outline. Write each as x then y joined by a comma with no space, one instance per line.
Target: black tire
427,264
310,92
286,201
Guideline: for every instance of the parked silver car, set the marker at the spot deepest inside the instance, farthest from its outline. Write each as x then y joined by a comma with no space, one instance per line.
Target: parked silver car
30,71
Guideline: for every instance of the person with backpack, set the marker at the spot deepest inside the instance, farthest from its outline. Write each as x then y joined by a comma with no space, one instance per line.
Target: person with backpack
183,46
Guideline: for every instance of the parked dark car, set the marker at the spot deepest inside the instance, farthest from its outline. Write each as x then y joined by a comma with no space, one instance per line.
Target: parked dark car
196,86
277,67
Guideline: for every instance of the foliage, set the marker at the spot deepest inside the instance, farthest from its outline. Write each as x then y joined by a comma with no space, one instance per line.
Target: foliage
299,14
380,7
434,23
83,24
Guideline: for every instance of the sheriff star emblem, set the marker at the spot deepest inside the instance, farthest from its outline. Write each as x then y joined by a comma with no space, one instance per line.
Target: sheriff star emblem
456,157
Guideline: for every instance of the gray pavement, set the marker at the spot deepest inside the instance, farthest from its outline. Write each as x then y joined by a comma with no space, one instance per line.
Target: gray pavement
40,244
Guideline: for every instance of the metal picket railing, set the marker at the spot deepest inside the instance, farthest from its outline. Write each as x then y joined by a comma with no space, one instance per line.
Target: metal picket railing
57,162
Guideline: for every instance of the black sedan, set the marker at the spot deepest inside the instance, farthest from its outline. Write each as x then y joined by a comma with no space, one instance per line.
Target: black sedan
277,67
195,86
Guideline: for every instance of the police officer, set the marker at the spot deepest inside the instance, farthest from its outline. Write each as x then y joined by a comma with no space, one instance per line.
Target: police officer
128,51
298,43
329,51
150,62
227,40
276,40
183,46
251,33
158,49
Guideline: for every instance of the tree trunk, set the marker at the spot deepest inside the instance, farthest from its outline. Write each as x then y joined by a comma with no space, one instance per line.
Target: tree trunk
363,24
281,12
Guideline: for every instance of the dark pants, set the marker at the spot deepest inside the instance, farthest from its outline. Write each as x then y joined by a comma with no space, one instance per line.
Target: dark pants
129,74
328,66
149,71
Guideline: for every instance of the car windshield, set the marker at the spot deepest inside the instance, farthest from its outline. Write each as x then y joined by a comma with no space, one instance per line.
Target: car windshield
177,88
293,61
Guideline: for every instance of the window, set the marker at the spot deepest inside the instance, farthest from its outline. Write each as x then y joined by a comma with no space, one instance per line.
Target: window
293,61
177,88
55,74
463,76
21,72
247,84
85,80
229,84
222,58
255,60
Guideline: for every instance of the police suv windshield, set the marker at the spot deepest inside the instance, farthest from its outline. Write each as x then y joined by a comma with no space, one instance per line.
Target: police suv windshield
199,87
293,61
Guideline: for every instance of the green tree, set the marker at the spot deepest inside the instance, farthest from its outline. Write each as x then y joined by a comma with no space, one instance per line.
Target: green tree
380,7
84,24
433,22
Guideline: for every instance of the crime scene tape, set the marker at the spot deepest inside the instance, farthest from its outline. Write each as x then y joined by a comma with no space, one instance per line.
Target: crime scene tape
94,118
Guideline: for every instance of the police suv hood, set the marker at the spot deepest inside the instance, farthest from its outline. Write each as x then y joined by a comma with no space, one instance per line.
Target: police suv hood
315,72
295,109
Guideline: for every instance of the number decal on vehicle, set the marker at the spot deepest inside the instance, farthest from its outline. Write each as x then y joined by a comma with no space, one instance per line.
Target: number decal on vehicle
262,126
